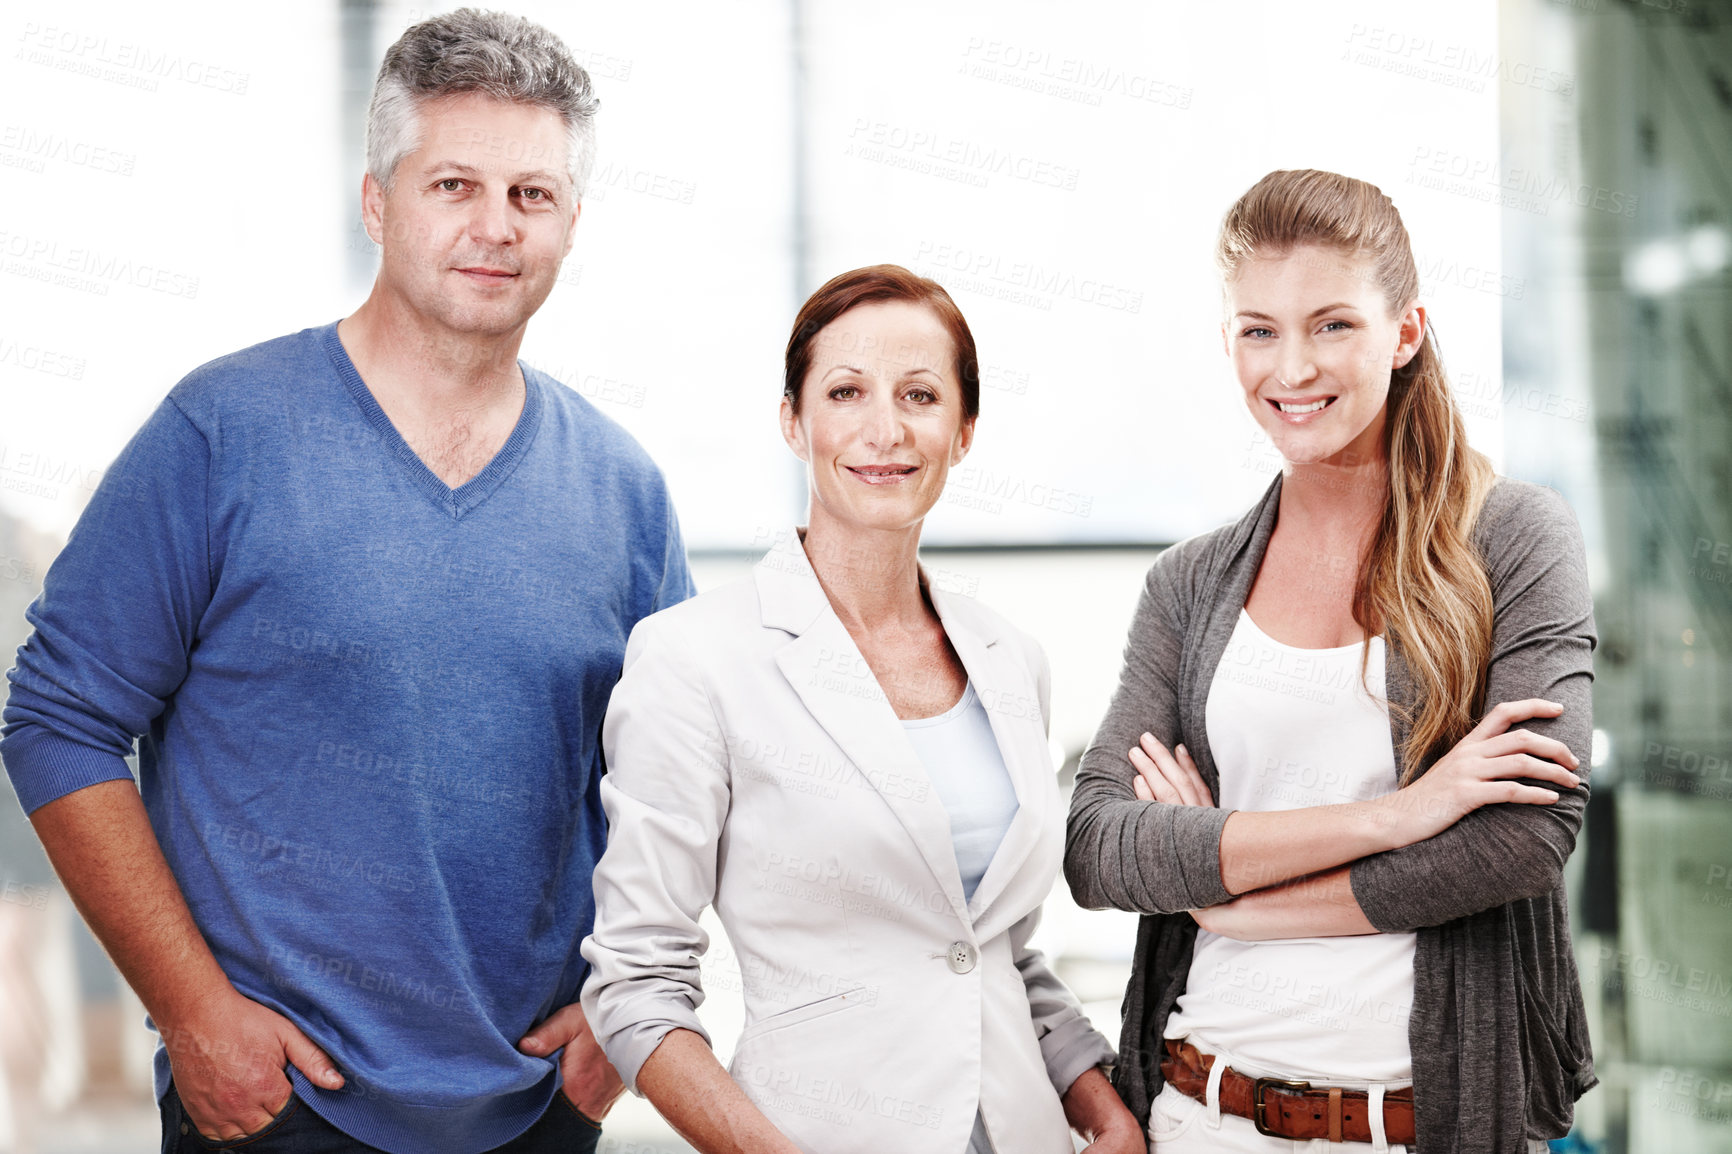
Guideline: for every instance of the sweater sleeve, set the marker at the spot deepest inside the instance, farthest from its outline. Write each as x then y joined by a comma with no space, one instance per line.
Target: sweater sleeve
1144,856
666,794
117,617
676,583
1543,639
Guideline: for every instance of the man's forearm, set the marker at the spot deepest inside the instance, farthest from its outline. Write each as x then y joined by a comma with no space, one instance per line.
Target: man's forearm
106,853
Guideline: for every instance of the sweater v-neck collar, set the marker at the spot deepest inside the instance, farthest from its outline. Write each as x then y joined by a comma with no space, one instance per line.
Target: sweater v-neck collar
467,496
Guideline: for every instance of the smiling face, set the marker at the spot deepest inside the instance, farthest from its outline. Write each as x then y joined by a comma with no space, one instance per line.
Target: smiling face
477,218
1314,342
881,416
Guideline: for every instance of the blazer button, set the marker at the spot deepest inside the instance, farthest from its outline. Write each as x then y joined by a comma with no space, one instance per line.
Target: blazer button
961,957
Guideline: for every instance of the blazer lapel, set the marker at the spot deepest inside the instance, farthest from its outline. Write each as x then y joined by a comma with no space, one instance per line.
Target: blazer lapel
1011,699
825,668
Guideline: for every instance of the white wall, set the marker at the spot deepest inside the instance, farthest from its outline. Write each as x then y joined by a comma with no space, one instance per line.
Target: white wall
176,174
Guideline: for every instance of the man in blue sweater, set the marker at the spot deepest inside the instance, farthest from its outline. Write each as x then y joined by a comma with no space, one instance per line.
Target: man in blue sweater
361,593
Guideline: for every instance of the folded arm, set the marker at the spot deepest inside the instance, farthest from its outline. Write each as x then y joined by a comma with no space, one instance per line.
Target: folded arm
1543,637
1495,818
1122,852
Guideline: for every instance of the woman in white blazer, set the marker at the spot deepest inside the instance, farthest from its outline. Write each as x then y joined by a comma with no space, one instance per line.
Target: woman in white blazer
852,767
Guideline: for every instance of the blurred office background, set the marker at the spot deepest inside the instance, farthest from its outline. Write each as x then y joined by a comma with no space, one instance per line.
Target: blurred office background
180,181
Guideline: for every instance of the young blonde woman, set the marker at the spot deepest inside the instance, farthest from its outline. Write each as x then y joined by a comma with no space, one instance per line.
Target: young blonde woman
1347,758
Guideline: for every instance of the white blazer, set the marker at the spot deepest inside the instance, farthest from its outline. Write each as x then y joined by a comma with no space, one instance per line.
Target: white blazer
755,764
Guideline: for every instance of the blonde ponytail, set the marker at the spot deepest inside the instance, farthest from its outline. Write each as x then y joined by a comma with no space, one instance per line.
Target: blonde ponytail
1421,583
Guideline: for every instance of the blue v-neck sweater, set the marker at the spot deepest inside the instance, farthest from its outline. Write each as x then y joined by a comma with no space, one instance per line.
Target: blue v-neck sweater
369,710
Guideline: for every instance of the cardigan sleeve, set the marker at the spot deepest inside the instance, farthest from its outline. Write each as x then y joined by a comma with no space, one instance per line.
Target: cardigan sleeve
1120,852
666,795
1543,639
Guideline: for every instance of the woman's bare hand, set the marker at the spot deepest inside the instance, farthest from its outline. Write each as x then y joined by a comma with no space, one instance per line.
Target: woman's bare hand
1169,777
1481,770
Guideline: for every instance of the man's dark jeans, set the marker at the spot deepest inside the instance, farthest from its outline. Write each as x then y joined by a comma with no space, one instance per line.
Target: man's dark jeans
297,1130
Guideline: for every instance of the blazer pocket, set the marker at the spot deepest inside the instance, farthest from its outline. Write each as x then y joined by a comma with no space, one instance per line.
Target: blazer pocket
823,1007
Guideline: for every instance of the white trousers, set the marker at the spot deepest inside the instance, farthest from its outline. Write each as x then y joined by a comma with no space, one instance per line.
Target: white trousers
1179,1124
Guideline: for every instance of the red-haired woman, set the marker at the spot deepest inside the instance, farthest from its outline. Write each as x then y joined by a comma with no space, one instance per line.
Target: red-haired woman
851,766
1350,868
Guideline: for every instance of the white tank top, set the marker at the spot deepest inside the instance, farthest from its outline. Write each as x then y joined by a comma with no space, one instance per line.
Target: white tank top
1292,728
960,755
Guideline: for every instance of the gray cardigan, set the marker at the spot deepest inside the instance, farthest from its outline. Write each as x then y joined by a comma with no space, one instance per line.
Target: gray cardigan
1498,1034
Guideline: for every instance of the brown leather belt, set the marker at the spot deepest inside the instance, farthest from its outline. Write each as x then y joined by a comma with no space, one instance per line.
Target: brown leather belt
1283,1109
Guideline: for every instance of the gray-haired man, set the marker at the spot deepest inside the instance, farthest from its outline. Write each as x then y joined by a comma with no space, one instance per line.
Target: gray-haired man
363,592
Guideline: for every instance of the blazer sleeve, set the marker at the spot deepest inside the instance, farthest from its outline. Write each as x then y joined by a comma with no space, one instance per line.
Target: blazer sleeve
1144,856
666,794
1069,1043
1543,639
